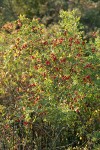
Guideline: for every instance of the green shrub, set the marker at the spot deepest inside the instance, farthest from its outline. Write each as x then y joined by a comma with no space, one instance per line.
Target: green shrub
50,84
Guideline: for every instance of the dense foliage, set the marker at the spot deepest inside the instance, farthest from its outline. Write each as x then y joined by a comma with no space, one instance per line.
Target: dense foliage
49,88
48,10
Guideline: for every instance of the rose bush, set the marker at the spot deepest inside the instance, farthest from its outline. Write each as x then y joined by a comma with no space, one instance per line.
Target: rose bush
49,85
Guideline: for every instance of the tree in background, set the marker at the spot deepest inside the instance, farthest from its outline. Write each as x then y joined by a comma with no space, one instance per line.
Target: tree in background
48,10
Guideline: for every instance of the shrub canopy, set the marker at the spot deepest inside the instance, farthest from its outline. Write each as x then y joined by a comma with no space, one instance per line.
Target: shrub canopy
49,84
